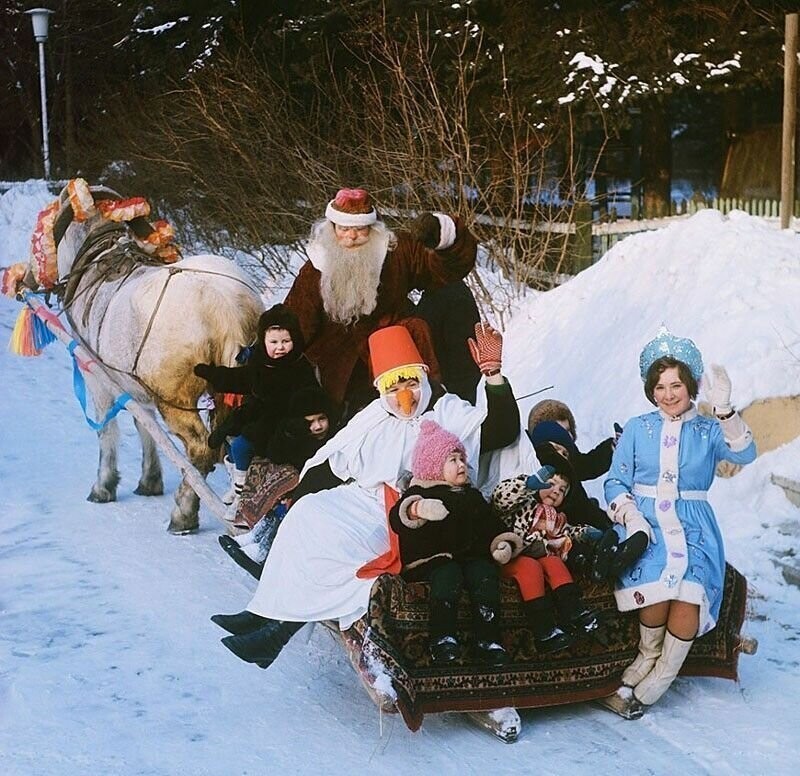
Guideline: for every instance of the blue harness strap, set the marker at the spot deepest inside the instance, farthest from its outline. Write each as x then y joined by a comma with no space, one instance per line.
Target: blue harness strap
79,386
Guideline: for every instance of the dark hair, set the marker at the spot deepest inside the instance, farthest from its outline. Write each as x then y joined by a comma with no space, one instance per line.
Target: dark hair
659,366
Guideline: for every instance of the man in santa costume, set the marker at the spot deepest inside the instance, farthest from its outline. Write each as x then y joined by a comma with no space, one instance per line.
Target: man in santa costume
357,279
335,538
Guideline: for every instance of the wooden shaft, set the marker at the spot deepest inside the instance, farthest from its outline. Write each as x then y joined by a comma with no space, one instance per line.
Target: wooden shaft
141,413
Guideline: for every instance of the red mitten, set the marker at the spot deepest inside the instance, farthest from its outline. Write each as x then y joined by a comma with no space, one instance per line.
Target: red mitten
486,348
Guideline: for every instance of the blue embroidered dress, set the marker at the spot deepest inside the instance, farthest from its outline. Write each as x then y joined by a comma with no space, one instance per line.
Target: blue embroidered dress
667,465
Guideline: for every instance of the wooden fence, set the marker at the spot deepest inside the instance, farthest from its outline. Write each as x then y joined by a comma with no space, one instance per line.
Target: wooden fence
605,234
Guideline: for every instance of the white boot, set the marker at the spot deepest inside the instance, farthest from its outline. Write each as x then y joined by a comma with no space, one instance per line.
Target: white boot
239,476
651,640
228,496
666,668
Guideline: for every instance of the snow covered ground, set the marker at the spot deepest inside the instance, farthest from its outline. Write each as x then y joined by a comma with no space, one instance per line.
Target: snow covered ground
109,664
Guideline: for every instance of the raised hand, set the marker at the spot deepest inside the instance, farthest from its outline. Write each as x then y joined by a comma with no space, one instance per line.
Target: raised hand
539,479
487,348
717,386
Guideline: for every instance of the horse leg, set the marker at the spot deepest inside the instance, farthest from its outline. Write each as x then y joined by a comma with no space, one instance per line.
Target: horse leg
188,427
151,483
105,487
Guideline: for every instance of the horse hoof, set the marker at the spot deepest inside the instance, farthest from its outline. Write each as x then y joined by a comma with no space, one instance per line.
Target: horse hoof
182,530
154,489
101,496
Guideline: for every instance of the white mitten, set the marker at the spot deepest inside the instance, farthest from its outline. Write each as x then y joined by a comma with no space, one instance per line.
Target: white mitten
717,387
505,546
431,509
623,510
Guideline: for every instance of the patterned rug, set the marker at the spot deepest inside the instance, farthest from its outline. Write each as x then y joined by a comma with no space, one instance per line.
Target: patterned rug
266,484
394,635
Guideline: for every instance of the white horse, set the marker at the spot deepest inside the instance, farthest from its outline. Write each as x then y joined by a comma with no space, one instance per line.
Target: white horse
149,324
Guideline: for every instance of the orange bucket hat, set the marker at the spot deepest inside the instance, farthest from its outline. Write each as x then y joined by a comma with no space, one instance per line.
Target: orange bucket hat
394,356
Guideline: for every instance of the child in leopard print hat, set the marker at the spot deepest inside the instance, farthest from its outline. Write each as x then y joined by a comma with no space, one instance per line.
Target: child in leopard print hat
529,506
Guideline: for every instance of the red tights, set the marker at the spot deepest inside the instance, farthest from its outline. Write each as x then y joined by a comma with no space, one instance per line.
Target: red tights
530,574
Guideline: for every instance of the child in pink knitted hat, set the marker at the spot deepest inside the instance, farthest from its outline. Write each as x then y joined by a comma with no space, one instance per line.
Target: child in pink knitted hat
449,537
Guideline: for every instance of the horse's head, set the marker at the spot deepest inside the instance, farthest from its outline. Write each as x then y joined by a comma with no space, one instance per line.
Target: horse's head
71,228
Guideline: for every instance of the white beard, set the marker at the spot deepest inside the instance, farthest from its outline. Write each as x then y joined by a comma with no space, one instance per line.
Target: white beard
349,276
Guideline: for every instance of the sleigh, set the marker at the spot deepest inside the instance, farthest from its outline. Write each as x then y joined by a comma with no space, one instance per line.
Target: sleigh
388,648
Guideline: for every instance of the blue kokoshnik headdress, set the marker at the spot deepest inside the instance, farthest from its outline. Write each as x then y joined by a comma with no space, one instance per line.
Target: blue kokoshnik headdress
679,348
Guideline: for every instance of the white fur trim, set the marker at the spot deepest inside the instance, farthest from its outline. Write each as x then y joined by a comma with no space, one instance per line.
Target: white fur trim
447,231
350,219
405,517
736,432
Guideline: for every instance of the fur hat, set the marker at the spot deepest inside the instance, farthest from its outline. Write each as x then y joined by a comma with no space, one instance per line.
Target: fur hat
311,401
430,453
549,456
351,207
552,409
281,317
550,431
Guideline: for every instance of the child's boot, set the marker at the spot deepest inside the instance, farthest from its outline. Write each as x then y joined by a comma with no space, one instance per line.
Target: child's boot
488,645
605,551
573,612
547,635
628,552
239,476
228,496
444,646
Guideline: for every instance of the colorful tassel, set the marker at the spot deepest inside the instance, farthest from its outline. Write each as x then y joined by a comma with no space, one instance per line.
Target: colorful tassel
30,335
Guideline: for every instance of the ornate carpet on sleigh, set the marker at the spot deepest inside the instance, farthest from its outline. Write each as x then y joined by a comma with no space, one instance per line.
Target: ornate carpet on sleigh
394,634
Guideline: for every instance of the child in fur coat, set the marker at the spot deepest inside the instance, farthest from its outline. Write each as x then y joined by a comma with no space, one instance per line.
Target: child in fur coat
448,536
275,371
528,505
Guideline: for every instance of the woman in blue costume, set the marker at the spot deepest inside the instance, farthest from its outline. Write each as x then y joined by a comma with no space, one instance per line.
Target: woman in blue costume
660,474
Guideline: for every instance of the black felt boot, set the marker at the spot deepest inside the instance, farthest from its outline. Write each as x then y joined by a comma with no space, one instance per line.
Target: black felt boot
243,622
573,613
547,635
613,556
606,549
231,546
262,646
488,645
444,646
628,552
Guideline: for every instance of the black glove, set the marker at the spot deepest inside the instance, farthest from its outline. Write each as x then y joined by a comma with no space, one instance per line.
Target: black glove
203,370
425,229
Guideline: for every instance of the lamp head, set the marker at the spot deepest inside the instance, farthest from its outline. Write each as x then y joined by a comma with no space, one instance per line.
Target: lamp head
40,18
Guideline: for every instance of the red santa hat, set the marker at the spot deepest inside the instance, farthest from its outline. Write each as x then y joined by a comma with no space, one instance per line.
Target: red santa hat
434,445
351,207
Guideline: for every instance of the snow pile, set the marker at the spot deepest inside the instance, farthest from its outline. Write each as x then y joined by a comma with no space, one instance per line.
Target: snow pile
730,284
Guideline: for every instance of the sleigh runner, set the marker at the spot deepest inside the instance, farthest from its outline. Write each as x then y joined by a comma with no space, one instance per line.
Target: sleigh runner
388,650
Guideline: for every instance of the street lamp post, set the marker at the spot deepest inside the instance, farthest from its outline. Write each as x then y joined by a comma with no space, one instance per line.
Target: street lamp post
40,18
